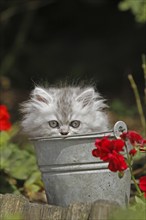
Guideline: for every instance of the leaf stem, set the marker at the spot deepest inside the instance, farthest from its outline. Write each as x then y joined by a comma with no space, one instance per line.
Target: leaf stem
138,102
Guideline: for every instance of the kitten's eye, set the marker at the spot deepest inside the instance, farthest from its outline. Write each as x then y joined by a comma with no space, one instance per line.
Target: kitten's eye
75,124
53,124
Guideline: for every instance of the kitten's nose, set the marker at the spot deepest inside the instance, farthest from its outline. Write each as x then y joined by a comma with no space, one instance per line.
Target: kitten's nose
64,132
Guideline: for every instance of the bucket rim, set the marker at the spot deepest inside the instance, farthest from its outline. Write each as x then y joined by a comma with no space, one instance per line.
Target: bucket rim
77,136
117,130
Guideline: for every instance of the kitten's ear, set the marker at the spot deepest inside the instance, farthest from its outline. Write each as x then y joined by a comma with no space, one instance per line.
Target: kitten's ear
41,95
86,97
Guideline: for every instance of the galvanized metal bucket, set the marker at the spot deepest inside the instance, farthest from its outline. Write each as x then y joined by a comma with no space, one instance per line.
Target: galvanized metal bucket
71,174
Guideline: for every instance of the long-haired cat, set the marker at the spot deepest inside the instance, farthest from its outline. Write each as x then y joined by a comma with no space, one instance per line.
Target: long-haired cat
64,111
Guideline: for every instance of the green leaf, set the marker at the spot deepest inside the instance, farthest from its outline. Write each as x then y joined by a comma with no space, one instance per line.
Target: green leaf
140,200
21,164
5,154
34,178
4,138
33,188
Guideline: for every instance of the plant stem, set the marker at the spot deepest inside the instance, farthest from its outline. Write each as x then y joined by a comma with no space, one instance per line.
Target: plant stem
134,180
144,67
131,171
138,102
144,72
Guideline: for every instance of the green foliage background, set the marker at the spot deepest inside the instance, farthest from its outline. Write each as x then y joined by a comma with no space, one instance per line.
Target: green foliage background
137,7
18,171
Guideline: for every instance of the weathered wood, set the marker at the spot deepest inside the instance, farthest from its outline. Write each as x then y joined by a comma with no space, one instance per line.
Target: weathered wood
17,204
102,210
78,211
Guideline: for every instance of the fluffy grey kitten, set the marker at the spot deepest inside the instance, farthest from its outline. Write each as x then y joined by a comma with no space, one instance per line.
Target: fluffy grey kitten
63,111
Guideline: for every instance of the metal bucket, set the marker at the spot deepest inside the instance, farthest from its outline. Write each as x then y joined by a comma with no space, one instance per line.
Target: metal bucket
71,174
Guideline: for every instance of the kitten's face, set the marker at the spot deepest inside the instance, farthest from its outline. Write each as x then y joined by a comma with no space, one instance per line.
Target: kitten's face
58,127
61,112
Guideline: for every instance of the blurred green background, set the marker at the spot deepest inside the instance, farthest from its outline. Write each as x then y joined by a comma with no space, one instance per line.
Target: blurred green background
100,41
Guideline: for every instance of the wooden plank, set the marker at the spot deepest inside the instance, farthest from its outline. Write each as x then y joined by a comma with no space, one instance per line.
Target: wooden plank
78,211
17,204
43,212
12,204
102,209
